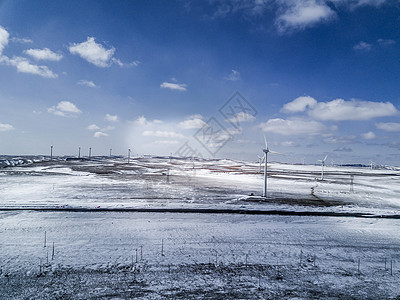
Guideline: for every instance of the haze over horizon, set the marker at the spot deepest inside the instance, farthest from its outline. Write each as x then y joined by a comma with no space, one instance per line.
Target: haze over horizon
202,78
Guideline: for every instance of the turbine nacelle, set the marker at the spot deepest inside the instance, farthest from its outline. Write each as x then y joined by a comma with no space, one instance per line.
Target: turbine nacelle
323,161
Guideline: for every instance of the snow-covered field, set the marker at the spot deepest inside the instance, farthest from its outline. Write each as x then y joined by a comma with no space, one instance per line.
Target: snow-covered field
101,253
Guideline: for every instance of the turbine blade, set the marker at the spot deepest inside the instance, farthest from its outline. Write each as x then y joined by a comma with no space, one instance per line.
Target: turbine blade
325,157
274,152
266,144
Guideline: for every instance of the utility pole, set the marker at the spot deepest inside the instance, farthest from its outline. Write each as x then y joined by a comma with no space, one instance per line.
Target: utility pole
90,153
129,155
51,152
79,152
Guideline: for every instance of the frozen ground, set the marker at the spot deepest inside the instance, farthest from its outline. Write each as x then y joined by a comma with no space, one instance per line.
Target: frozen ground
123,255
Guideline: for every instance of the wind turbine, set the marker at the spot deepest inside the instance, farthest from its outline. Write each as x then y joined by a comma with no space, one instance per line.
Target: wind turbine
371,164
260,161
323,164
266,151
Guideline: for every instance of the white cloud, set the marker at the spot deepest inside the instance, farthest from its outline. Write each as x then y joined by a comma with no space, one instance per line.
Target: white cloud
368,135
117,62
299,104
297,15
133,64
173,86
234,76
392,127
142,121
4,35
386,42
43,54
293,127
99,134
93,127
288,144
292,15
111,118
173,142
241,117
192,122
234,131
67,106
341,110
87,83
163,134
23,65
362,46
357,3
121,64
21,40
347,139
93,52
6,127
65,109
343,149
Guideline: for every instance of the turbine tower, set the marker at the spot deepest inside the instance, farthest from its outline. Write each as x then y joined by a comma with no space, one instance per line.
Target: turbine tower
322,165
266,151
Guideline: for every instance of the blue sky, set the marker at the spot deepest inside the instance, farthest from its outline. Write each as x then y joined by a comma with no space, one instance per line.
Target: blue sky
321,77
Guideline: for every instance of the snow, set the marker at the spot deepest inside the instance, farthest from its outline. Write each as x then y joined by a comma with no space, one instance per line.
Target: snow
175,182
160,255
